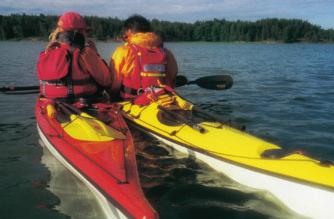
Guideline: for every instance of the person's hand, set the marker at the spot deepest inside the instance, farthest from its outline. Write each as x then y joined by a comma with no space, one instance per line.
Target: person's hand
91,45
52,45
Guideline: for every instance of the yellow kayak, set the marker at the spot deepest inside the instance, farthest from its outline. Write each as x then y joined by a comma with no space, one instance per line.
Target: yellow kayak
303,184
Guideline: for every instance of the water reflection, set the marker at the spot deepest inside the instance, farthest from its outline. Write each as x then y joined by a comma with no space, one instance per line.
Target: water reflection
75,199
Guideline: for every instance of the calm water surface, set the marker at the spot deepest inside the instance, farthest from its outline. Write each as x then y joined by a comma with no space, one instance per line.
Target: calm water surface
282,92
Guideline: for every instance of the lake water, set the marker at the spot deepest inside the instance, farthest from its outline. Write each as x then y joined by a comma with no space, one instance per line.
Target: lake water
282,92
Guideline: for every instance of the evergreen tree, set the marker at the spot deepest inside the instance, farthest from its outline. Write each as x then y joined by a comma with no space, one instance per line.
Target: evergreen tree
284,30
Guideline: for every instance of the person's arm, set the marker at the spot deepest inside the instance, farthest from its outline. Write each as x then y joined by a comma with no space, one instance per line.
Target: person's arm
121,64
172,68
95,65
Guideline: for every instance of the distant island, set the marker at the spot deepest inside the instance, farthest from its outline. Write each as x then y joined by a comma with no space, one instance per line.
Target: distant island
22,26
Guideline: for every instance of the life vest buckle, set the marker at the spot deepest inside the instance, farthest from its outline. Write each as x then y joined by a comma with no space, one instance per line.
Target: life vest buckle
153,89
140,91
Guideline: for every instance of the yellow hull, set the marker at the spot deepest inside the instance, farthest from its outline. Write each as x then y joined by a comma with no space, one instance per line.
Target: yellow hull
215,142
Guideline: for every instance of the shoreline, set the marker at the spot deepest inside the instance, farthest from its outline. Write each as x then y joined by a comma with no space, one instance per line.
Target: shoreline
268,42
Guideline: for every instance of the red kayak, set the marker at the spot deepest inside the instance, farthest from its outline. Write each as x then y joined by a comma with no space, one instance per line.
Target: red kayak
97,149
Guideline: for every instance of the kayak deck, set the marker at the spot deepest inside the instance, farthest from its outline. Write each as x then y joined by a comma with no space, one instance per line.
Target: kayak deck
107,164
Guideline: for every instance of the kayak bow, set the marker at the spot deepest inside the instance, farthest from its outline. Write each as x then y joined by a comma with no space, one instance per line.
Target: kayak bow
101,154
303,184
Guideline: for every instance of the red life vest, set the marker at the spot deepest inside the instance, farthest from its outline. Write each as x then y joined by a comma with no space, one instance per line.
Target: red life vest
149,70
61,75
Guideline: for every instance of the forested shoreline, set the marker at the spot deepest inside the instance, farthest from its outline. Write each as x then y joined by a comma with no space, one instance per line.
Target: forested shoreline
22,26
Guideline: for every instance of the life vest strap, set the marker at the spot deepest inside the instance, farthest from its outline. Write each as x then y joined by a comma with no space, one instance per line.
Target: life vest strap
68,78
64,83
139,91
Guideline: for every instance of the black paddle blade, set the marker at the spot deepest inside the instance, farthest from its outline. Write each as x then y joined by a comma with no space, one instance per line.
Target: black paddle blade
215,82
181,81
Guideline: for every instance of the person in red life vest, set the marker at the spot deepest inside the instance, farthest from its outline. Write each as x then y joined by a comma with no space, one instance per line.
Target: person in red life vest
142,62
70,66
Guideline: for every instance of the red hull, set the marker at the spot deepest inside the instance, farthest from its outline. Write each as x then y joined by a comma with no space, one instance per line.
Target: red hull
109,166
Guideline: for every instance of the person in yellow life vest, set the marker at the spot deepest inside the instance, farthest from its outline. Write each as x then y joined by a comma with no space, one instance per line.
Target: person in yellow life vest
142,62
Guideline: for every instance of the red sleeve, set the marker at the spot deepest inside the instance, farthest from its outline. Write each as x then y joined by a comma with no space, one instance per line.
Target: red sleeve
96,66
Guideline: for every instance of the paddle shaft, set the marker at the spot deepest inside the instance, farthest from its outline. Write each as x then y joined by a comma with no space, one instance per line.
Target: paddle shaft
214,82
14,88
21,92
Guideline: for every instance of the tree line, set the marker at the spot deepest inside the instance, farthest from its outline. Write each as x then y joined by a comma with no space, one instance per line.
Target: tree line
19,26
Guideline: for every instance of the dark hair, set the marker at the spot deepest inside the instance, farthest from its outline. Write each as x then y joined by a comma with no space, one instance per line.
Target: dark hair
73,38
137,23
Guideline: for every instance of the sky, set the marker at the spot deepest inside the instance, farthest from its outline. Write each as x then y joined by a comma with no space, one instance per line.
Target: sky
318,12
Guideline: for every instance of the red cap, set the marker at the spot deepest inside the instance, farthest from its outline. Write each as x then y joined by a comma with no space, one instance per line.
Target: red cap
71,20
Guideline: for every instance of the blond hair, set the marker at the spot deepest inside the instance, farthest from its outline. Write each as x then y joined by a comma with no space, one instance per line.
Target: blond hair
53,37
